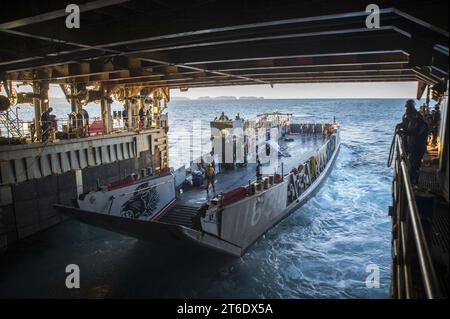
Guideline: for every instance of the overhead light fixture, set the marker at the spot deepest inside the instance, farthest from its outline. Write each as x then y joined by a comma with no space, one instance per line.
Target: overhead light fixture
184,89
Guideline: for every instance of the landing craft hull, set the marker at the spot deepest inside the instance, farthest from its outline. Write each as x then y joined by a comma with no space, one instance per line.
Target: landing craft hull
151,230
310,192
144,200
235,244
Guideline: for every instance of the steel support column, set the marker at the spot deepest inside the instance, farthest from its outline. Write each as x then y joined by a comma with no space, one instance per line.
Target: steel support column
37,111
106,112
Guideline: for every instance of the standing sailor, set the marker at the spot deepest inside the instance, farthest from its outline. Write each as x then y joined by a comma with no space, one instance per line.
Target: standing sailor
414,130
46,124
435,123
423,110
210,176
142,118
223,117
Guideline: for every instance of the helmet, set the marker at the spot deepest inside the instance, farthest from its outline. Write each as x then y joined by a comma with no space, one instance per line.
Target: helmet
410,103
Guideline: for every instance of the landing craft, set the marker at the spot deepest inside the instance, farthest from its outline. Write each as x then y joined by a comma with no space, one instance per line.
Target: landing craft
153,208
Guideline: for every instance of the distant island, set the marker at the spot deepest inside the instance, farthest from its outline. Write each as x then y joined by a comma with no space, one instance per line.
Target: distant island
217,98
222,98
251,98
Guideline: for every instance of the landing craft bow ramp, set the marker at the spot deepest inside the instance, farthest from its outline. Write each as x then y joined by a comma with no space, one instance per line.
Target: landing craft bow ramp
184,44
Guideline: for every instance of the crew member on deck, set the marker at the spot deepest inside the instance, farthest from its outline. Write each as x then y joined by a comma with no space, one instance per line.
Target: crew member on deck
141,117
423,110
414,131
435,123
210,176
46,124
223,117
238,117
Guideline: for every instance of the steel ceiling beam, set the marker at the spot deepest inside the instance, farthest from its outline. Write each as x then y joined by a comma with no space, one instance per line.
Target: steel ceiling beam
251,77
302,61
327,46
89,6
85,51
299,79
240,52
368,80
386,17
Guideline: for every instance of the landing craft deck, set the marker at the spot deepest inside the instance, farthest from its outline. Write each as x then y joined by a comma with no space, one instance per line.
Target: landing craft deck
298,150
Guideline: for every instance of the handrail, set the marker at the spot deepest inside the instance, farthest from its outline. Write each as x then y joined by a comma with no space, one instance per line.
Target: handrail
148,187
430,282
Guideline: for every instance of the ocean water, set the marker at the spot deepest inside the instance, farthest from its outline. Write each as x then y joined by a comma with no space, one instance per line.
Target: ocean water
323,249
320,251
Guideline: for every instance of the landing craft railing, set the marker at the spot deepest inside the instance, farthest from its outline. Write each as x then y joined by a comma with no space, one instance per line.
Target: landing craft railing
301,180
409,242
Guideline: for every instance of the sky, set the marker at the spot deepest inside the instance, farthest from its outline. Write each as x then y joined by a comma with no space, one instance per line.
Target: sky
308,91
300,91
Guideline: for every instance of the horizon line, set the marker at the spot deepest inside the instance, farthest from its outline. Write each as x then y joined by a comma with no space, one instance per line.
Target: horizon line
279,98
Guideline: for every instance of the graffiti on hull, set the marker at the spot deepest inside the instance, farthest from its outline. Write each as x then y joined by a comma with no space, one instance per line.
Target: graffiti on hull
143,202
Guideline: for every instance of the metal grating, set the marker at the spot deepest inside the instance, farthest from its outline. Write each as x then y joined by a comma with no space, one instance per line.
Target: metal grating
430,181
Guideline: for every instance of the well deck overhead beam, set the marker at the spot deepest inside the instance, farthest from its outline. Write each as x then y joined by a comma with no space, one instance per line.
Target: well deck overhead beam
256,76
93,5
215,32
92,51
259,44
121,69
209,31
223,81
